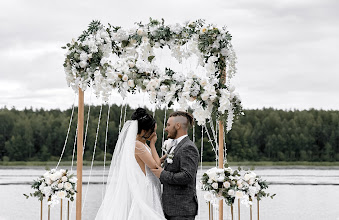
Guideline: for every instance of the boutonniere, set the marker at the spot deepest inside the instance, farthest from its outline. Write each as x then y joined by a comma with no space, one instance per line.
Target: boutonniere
166,147
169,158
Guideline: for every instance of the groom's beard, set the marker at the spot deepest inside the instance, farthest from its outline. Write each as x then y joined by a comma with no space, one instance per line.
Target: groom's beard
173,134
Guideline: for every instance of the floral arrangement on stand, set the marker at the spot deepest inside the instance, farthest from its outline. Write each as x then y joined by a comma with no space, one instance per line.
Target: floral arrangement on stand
54,185
228,184
113,58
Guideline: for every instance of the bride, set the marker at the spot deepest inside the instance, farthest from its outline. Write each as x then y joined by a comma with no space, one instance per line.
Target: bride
133,191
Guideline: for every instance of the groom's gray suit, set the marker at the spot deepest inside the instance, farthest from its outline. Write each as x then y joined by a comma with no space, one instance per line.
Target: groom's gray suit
179,196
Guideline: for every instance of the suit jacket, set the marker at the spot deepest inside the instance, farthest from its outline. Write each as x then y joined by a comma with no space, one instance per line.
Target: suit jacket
179,196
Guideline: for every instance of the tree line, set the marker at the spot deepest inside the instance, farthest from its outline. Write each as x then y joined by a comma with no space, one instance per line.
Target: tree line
260,135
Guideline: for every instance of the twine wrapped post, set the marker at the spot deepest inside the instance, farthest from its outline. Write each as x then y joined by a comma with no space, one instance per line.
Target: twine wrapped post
80,153
60,209
221,162
238,209
49,209
68,210
258,207
232,211
221,148
41,210
250,209
210,211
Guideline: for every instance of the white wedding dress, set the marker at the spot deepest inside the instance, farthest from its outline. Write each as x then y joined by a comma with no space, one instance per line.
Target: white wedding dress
130,194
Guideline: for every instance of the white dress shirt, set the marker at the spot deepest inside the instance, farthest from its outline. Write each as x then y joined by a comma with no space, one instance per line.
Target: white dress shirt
178,141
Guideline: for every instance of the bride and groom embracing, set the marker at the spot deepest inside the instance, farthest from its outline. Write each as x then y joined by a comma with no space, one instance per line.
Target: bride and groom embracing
134,181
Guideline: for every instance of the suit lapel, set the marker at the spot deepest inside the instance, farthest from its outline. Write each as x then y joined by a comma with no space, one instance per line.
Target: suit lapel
180,144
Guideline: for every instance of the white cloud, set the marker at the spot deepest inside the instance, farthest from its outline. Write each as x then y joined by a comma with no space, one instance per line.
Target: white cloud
286,49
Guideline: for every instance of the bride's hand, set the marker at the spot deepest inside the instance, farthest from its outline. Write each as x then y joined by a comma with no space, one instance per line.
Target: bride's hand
162,159
154,138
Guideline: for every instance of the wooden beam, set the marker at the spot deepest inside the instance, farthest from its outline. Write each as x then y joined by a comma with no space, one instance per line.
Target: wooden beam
80,145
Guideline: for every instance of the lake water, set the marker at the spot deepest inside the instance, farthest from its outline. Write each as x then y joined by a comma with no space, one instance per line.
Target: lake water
302,194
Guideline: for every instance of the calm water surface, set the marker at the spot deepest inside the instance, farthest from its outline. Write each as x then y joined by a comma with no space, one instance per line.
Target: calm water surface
302,194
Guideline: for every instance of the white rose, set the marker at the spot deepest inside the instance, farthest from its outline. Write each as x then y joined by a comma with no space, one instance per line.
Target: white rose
131,83
73,180
140,32
47,190
169,160
61,194
247,176
221,179
163,88
208,196
68,186
61,185
204,96
251,181
227,185
83,56
133,41
215,185
54,177
131,64
48,181
231,192
239,194
64,178
229,169
125,78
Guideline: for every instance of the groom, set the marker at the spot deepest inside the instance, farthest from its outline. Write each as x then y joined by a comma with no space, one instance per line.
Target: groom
178,177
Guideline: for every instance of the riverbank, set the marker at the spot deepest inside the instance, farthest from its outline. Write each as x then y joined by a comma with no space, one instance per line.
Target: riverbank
249,164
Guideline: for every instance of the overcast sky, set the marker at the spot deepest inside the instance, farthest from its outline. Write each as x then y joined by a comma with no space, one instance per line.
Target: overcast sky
287,50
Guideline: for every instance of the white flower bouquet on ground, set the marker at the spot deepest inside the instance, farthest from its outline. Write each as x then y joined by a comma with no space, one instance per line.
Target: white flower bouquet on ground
224,183
54,185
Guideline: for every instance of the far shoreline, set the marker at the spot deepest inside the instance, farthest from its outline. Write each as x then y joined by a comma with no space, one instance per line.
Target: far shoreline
243,164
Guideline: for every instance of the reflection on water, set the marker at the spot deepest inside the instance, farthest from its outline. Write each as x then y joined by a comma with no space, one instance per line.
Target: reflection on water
303,194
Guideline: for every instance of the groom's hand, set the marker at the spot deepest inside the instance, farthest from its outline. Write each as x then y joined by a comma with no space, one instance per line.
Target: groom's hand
157,171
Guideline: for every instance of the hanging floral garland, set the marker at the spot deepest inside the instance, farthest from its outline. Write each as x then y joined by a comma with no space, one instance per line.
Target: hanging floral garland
88,63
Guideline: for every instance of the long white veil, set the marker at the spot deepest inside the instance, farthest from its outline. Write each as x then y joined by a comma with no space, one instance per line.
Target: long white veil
125,197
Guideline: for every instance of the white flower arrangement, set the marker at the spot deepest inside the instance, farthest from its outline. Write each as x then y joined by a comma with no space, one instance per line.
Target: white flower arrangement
54,185
87,63
231,185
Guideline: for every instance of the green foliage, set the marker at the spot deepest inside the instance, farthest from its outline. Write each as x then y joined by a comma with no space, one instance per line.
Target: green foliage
260,135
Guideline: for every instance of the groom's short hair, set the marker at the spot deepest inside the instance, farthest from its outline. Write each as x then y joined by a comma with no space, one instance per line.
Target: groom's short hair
187,115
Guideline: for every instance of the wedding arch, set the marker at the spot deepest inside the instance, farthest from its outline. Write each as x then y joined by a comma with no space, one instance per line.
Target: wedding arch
116,59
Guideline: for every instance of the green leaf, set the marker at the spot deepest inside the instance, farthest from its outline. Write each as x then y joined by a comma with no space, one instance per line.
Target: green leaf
150,58
63,47
124,43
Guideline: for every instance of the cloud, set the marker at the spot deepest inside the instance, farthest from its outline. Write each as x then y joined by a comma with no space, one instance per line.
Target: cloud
286,49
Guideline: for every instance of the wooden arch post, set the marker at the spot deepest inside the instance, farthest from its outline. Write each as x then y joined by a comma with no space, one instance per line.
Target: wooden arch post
80,145
221,148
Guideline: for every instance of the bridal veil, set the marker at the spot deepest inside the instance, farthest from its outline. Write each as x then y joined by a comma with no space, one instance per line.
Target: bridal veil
126,186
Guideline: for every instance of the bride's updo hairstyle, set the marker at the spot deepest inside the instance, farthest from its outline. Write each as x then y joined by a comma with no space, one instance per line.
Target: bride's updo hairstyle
145,121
